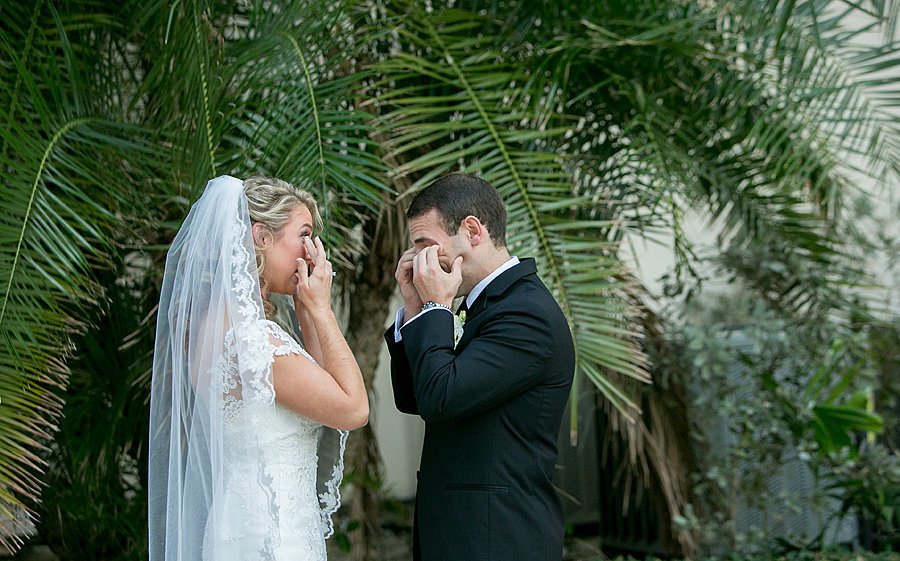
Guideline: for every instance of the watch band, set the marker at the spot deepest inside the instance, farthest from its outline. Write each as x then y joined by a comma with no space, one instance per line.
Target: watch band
431,304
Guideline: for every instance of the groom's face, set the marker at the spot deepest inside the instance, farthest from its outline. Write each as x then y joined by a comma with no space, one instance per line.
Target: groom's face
427,230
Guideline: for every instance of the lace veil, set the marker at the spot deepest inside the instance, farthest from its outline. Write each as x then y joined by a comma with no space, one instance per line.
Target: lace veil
210,300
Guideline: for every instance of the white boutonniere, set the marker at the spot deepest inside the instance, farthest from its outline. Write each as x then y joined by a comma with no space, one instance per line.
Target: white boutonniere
459,322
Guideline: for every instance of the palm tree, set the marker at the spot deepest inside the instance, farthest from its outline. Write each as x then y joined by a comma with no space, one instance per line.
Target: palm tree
604,121
597,122
64,151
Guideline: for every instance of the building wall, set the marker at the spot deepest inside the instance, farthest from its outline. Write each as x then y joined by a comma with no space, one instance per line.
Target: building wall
399,435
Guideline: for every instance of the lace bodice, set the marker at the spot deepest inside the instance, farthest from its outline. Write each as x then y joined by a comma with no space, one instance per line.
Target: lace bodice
266,446
261,347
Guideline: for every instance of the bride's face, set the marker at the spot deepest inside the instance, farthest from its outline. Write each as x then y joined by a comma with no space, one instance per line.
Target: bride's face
280,273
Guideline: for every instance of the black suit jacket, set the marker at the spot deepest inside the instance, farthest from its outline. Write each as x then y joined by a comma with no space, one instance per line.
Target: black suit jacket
492,407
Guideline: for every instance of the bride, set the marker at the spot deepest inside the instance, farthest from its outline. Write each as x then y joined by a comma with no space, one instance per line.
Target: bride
240,412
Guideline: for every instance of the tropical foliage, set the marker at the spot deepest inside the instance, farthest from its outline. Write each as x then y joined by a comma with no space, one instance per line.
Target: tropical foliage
66,157
599,122
785,415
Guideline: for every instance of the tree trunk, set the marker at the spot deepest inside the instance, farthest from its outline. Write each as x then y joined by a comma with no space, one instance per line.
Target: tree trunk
368,298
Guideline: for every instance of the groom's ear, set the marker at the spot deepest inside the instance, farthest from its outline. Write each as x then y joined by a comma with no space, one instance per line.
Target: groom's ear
473,229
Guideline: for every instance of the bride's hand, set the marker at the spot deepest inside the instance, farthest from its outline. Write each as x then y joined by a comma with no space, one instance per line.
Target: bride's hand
314,289
311,255
312,252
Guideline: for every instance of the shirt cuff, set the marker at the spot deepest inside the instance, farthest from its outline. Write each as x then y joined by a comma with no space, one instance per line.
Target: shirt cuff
399,320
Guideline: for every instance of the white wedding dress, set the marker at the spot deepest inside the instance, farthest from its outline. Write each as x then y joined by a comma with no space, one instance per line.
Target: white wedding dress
232,475
286,522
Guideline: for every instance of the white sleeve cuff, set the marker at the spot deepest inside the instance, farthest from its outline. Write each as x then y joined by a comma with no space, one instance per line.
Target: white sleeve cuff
399,319
398,322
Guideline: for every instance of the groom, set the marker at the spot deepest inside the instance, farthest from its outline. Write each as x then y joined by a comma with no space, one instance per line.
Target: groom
493,400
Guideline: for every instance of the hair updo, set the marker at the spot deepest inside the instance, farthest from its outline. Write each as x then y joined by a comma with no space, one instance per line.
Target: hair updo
271,203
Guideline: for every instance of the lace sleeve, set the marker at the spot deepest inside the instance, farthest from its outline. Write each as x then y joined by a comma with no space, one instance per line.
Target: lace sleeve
332,443
282,343
257,344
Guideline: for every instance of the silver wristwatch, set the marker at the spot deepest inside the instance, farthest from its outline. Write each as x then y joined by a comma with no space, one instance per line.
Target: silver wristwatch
430,304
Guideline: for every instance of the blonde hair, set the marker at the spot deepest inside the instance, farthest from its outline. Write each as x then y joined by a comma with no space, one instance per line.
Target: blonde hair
271,202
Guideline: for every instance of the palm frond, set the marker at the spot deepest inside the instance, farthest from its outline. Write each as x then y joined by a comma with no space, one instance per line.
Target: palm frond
457,107
63,171
55,228
286,99
182,94
718,124
691,109
304,122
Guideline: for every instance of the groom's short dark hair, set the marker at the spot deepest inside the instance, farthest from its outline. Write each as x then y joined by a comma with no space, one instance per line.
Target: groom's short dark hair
457,196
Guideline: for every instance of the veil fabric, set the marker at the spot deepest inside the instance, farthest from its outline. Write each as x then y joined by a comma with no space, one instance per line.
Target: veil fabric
213,401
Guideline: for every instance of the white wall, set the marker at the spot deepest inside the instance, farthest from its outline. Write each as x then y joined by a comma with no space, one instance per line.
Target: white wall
399,435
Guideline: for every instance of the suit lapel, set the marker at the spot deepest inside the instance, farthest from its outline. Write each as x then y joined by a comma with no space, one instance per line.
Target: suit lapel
500,285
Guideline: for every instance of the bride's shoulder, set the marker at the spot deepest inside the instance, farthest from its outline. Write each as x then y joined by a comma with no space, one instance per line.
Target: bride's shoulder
283,341
275,331
269,337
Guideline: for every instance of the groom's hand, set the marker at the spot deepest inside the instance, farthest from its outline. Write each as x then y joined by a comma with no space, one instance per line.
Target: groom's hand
431,281
404,275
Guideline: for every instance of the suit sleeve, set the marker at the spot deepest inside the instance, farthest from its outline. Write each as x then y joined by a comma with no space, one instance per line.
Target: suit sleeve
505,358
401,375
